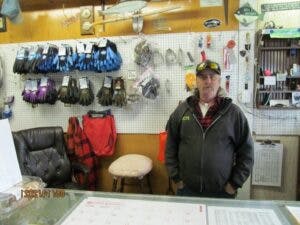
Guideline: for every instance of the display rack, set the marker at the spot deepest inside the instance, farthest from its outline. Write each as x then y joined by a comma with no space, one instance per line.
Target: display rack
277,70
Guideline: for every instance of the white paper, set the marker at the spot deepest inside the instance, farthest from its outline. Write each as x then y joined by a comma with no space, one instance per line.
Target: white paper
10,173
241,216
98,211
267,164
270,80
211,3
295,211
295,97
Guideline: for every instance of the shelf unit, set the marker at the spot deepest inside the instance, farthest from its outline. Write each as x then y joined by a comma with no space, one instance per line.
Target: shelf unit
276,87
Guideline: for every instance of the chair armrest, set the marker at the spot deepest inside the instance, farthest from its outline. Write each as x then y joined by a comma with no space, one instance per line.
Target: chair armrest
80,167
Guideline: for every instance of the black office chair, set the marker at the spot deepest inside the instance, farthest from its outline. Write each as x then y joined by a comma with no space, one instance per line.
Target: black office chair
41,152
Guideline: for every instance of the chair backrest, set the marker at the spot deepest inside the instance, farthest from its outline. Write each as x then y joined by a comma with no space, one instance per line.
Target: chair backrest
41,152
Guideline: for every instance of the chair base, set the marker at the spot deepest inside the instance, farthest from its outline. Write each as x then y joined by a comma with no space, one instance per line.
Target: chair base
139,182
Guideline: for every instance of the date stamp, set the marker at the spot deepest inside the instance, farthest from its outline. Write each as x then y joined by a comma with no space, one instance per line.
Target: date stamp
42,193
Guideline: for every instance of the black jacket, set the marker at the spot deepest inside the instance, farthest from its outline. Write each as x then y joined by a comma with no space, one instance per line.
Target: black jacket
205,161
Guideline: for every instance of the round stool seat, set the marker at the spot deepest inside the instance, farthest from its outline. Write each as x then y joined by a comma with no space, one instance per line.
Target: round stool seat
131,165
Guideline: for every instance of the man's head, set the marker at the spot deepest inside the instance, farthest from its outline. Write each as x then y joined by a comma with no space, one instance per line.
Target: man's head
208,80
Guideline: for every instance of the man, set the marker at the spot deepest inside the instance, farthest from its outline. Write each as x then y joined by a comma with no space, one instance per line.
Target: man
209,151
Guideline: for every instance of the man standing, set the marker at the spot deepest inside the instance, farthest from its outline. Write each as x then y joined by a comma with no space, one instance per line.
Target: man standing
209,150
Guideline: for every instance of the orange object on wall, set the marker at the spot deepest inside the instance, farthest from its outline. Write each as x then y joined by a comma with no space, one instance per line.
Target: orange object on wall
162,146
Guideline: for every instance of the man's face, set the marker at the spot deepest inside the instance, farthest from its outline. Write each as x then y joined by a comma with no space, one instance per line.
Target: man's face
208,84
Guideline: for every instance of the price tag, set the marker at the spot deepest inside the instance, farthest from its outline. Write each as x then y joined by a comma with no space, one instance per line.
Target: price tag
44,81
65,81
34,85
89,48
144,82
46,49
281,76
62,51
21,53
131,75
80,47
102,43
83,83
31,55
27,85
107,82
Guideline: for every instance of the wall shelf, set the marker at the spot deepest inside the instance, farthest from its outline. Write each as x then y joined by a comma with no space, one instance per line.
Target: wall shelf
276,55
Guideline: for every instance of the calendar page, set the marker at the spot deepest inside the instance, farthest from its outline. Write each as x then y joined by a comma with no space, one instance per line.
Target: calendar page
98,211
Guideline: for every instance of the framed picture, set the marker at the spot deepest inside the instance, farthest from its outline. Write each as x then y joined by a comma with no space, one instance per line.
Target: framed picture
2,23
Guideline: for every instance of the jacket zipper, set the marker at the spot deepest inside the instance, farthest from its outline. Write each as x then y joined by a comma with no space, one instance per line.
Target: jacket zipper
203,138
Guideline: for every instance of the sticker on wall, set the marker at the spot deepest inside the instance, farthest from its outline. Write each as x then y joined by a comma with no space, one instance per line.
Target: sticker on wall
246,14
211,23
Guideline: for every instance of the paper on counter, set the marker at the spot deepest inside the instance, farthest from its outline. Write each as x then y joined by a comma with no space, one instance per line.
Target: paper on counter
98,211
295,211
10,173
241,216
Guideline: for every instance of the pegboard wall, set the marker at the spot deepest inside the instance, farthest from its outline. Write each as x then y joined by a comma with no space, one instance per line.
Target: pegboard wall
146,116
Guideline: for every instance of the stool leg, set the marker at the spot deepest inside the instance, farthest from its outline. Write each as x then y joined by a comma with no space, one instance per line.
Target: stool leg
122,184
141,184
115,183
170,189
149,184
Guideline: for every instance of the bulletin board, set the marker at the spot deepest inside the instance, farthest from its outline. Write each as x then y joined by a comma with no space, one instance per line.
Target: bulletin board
146,116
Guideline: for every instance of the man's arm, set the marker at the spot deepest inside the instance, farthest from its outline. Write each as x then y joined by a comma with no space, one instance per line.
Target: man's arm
244,153
171,154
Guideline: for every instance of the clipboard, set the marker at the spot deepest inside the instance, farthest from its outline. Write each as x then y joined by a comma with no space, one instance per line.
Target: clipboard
268,163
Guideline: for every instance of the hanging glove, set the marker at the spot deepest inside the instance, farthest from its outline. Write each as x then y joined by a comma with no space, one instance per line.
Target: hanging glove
68,92
63,90
46,92
105,93
38,58
143,53
132,91
150,88
86,95
27,90
119,96
73,91
52,94
31,59
20,60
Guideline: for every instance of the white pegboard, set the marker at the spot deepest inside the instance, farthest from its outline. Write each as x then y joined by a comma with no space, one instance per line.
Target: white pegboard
146,116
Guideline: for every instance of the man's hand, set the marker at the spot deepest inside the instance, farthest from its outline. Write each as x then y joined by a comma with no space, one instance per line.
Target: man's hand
179,185
230,189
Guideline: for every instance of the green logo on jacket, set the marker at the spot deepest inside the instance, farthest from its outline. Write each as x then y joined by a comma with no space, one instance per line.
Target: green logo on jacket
185,118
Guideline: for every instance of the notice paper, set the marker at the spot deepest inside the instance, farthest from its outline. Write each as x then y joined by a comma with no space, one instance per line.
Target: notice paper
100,211
10,173
211,3
267,167
241,216
295,211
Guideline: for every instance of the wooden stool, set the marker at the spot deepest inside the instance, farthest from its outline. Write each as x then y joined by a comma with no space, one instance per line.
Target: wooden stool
130,166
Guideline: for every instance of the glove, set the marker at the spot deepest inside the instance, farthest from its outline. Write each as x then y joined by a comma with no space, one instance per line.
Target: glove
86,95
132,91
73,91
150,89
20,60
105,93
119,97
142,53
68,92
